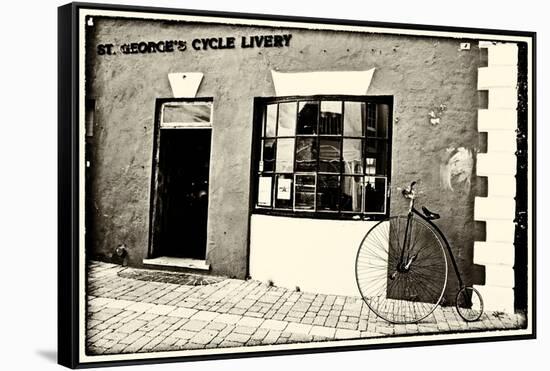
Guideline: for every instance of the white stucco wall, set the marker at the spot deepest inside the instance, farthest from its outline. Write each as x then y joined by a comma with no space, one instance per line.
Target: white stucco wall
315,254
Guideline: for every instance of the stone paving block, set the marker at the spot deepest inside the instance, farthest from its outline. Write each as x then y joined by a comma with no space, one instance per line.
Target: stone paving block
229,344
132,337
274,325
322,331
183,334
161,310
204,337
140,307
331,321
138,344
148,317
152,344
194,325
226,331
204,316
300,338
298,328
260,334
319,320
119,304
229,319
347,334
132,326
183,313
237,338
347,325
238,311
370,334
245,330
250,322
218,326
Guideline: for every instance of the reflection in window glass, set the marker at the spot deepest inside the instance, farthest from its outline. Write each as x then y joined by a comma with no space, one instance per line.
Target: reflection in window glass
284,191
271,120
382,117
354,113
304,191
328,192
375,195
330,121
187,113
376,149
352,193
329,154
268,155
371,120
285,155
307,118
352,156
287,119
306,154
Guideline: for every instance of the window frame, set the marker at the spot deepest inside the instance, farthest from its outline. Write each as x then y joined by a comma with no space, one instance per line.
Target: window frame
259,115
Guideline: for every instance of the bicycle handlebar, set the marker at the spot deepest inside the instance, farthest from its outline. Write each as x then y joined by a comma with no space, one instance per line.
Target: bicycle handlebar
409,192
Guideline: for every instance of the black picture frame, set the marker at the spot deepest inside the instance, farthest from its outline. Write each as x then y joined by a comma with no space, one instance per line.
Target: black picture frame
70,173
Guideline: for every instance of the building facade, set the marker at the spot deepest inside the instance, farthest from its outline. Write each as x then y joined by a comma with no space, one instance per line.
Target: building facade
269,151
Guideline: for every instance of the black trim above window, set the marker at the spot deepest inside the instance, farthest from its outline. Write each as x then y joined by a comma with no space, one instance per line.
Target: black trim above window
323,156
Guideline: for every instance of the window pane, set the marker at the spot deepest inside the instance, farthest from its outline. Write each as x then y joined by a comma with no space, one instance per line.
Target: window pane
352,155
329,154
187,113
307,118
271,120
375,195
284,191
306,154
376,157
330,122
285,155
328,191
264,191
377,120
354,114
352,193
304,191
287,119
268,155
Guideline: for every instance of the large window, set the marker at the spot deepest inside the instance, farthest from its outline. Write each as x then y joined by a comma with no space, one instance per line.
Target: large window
324,155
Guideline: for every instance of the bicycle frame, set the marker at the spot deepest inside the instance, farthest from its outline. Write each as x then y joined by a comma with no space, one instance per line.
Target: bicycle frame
411,212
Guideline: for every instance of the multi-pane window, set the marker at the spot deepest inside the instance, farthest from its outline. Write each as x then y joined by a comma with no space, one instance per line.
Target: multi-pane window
324,155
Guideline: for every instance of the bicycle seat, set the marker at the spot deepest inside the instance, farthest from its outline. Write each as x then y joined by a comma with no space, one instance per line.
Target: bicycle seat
429,214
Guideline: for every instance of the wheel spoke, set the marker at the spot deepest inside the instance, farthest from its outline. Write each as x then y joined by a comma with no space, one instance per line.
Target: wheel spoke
408,294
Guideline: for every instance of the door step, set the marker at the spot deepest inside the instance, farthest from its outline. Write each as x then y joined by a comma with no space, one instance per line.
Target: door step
177,264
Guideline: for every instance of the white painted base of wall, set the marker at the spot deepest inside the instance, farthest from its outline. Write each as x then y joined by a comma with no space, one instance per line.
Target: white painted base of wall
314,254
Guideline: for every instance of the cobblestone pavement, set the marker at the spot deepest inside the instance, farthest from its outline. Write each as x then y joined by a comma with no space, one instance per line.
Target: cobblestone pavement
133,310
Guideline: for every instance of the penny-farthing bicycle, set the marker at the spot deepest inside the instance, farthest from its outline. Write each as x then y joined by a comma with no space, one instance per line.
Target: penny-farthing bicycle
402,268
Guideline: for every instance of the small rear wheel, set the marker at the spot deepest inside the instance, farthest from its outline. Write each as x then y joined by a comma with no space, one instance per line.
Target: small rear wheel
469,304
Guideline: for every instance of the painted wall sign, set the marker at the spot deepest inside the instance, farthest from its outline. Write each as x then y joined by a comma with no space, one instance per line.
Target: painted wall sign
208,43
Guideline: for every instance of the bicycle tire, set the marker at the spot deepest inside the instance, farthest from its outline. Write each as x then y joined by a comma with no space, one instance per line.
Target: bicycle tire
469,304
393,294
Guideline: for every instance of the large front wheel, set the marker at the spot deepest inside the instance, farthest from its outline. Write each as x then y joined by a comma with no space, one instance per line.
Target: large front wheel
401,269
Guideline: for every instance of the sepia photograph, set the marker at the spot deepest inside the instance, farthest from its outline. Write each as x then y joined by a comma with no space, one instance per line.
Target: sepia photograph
253,184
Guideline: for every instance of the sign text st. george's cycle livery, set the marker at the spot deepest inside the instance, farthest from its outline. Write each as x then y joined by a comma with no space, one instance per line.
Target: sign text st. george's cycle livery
208,43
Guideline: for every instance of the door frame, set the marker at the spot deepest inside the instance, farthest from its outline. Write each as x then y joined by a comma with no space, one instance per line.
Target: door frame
159,104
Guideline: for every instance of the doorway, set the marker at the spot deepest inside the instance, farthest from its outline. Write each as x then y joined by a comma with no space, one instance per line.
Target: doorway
181,194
